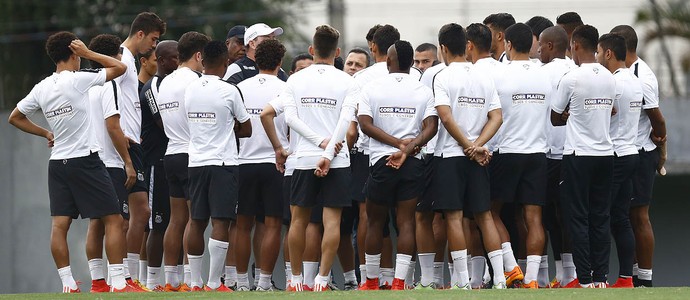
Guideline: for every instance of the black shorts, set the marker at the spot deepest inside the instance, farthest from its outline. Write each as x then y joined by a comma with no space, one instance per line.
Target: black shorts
461,184
643,178
260,190
553,180
177,173
426,200
347,220
81,187
306,187
118,177
136,154
387,186
316,211
159,196
519,178
359,164
213,192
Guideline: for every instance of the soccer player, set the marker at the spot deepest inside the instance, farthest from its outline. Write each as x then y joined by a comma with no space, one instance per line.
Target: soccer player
300,62
154,142
144,33
393,110
425,56
213,108
174,116
587,92
537,24
469,109
651,145
518,173
235,42
109,136
370,36
147,67
245,67
553,43
314,99
569,21
611,54
357,60
78,183
498,23
260,182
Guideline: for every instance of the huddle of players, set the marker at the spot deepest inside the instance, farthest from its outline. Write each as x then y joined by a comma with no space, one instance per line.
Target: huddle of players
534,129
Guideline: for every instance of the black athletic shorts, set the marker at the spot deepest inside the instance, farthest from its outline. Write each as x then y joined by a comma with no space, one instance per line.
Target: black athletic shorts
118,177
81,187
177,173
260,190
426,200
306,187
519,178
213,192
347,220
136,154
359,164
553,180
159,196
461,184
643,179
316,211
387,186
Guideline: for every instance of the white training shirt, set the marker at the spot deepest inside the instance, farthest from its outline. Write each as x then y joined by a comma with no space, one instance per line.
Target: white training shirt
427,80
523,89
314,98
495,69
471,95
628,107
104,104
63,97
257,92
130,108
233,69
650,88
278,105
589,90
212,106
555,135
171,106
398,104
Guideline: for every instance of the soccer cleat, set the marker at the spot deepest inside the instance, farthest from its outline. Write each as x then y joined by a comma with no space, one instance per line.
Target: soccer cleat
269,289
351,286
514,275
140,286
197,289
159,288
99,286
222,288
500,286
464,287
127,289
555,284
184,288
420,286
242,288
532,285
587,286
68,290
297,287
601,285
575,284
321,287
370,285
332,286
623,283
385,286
398,284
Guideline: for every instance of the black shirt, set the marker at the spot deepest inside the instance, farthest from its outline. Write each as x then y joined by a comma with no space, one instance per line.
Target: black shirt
154,141
248,69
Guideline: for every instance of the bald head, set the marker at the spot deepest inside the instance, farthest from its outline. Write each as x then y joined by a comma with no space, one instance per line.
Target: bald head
168,57
553,43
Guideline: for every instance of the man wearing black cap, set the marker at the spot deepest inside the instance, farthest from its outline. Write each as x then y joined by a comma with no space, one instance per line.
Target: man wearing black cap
235,43
245,67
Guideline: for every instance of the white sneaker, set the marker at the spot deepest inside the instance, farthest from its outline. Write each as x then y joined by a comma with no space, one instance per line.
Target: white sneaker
243,289
499,286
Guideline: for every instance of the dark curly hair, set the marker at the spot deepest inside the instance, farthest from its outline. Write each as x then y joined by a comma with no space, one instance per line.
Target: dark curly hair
106,44
57,46
269,54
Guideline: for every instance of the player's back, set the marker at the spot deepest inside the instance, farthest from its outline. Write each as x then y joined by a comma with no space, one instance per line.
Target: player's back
172,109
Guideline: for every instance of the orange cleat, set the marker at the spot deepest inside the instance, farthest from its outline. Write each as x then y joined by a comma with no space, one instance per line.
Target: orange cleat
297,287
575,284
99,286
320,288
514,275
623,283
532,285
67,290
127,289
197,289
555,284
398,285
159,288
370,285
140,286
222,288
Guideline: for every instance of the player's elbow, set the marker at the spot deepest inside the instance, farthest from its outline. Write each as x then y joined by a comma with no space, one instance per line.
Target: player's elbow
244,130
15,117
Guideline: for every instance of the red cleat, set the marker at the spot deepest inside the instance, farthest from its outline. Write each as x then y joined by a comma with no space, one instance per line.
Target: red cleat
623,283
99,286
370,285
398,284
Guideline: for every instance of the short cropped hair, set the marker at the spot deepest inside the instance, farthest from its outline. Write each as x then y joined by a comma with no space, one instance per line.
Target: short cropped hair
569,21
615,43
520,36
325,41
269,54
500,21
301,56
426,47
629,34
106,44
538,24
214,54
372,30
57,46
405,54
385,37
480,35
191,43
361,51
453,37
147,22
587,36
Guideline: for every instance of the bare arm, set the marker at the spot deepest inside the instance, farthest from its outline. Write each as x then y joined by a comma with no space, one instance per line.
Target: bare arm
352,135
113,67
658,125
19,120
368,128
453,129
558,119
267,116
121,144
243,130
490,128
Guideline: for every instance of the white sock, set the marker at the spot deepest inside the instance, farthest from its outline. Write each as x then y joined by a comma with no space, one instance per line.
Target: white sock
125,263
460,267
363,272
195,264
187,273
243,280
172,276
559,270
387,275
182,277
438,273
373,263
469,265
453,275
487,274
96,269
143,276
543,275
402,265
117,276
264,281
230,275
509,262
644,274
477,271
532,269
426,264
257,275
409,279
67,279
522,263
288,273
133,265
217,251
321,280
569,272
496,260
310,269
297,279
153,277
350,276
636,268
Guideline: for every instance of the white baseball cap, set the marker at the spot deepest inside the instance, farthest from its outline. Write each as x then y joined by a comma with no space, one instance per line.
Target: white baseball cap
260,29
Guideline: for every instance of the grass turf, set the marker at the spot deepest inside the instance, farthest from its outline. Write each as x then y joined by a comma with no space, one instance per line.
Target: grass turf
651,293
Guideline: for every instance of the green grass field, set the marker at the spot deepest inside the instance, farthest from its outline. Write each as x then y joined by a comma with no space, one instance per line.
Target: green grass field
652,293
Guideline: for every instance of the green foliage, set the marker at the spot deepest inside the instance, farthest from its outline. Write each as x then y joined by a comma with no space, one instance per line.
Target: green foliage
675,22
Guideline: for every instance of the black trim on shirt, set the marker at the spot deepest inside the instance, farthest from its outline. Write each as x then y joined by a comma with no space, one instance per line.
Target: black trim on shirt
115,93
90,70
